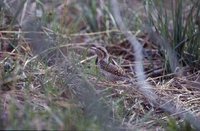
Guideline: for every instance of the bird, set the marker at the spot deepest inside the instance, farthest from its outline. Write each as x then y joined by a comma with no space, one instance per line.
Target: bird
109,70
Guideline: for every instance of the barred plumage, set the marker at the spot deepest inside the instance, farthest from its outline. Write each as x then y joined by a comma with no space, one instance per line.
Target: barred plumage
108,69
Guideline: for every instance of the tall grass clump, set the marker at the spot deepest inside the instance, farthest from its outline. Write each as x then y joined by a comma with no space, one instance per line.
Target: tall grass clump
96,15
177,22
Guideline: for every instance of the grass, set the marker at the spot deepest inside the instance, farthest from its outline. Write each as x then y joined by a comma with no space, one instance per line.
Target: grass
181,126
70,93
177,26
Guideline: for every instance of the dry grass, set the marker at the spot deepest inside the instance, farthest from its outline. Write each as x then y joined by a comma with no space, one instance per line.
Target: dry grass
70,93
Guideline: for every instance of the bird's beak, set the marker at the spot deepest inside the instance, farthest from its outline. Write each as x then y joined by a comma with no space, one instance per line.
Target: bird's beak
93,48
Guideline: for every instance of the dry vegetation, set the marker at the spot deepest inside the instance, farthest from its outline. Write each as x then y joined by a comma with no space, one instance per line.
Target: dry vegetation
49,79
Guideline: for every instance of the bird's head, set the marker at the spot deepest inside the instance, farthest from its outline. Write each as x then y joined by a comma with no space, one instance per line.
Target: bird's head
101,52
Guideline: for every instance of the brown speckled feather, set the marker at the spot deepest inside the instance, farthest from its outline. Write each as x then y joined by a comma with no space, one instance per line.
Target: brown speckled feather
111,68
108,69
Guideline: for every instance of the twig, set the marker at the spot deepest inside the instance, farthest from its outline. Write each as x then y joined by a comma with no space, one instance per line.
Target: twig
145,87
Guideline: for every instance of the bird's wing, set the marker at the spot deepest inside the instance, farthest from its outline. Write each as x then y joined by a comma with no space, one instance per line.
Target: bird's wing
112,68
